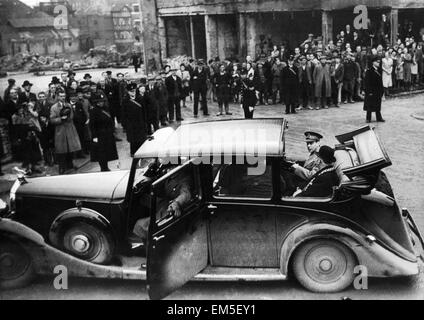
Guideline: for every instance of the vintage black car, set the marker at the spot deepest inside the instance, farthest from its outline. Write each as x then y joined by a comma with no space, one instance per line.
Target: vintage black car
239,223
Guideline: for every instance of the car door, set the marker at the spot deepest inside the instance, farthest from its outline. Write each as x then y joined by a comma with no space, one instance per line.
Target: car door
177,246
242,222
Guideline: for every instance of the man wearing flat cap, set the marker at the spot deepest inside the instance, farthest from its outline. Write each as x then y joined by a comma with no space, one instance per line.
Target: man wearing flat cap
314,163
27,95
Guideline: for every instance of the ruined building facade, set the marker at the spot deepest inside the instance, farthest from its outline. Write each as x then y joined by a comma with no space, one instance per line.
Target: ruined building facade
233,28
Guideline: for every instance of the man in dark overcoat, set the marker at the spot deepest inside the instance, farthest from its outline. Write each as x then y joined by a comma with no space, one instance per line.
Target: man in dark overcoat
174,87
290,79
103,147
200,88
136,119
374,91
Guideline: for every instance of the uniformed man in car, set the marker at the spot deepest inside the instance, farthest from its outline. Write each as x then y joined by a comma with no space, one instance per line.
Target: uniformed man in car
314,163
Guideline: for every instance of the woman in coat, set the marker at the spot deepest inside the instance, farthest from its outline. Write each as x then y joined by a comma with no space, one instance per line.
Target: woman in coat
322,80
103,148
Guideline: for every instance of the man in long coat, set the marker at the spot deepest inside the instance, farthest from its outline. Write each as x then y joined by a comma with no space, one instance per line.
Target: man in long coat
103,148
161,94
66,140
322,80
374,91
290,81
136,119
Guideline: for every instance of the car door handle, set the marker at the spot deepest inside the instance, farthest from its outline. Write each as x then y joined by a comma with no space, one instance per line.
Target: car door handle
212,207
158,238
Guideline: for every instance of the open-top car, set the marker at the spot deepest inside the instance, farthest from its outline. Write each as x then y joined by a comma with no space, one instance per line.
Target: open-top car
237,219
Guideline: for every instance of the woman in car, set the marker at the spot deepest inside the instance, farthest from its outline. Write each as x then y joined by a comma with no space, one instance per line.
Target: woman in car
322,183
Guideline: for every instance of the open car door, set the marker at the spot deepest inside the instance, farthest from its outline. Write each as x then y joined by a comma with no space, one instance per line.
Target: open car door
177,246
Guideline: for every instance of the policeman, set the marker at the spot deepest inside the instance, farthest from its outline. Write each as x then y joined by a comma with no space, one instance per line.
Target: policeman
314,163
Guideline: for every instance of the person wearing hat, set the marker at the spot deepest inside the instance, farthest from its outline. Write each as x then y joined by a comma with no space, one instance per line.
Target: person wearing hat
103,146
174,86
305,80
152,106
223,88
200,88
323,182
314,163
249,94
349,78
112,92
136,61
290,86
374,90
11,84
71,78
135,115
66,139
322,81
26,95
87,80
161,94
337,75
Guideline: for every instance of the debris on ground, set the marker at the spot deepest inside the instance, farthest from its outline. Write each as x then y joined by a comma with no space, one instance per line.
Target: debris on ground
98,57
176,61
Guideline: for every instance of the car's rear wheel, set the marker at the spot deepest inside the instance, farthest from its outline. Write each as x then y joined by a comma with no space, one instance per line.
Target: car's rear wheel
324,265
87,242
16,266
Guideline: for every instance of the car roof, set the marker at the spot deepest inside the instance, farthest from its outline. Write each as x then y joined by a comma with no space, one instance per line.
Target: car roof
251,137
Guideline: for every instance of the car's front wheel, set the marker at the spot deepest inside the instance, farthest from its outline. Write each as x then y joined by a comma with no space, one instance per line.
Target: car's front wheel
16,266
87,242
323,265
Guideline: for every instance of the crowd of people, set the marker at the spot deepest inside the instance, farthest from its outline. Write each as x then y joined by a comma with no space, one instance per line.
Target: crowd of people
78,117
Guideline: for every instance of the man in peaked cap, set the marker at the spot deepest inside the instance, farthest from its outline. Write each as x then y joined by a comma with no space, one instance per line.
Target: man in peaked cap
314,163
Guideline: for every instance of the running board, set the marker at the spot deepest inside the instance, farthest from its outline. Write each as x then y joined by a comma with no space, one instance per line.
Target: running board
239,274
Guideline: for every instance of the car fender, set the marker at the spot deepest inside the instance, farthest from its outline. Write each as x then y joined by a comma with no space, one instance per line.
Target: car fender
13,229
78,214
379,262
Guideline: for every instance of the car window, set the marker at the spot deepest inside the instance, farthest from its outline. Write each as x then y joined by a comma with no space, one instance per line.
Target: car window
176,193
235,181
142,166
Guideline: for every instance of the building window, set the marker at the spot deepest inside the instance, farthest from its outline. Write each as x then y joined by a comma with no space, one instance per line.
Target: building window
136,7
95,22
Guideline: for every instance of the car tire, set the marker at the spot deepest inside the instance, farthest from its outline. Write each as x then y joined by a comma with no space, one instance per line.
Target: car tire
16,265
88,242
324,265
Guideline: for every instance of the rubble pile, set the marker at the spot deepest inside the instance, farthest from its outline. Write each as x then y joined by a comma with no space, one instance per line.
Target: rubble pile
98,57
106,56
176,61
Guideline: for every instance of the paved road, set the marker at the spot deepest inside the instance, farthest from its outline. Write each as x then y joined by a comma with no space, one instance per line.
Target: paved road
403,138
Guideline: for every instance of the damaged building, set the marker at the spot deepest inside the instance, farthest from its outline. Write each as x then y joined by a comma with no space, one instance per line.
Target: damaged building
233,28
